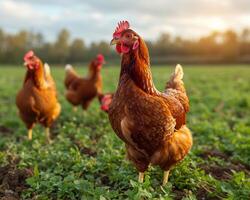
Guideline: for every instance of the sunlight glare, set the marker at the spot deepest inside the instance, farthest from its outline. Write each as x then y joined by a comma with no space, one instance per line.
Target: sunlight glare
216,24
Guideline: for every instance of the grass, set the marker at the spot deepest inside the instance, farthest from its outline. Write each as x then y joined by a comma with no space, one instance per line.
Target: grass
87,160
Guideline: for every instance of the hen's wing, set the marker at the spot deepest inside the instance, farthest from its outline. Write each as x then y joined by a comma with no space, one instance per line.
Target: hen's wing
147,122
73,97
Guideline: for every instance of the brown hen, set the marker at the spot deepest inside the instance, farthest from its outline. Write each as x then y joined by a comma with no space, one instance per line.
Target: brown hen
37,100
81,91
152,124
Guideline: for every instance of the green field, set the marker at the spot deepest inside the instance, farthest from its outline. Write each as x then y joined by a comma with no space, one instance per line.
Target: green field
87,161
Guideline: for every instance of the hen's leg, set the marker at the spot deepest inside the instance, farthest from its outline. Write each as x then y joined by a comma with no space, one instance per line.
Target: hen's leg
75,108
141,177
140,161
29,124
47,133
86,104
165,177
30,134
29,127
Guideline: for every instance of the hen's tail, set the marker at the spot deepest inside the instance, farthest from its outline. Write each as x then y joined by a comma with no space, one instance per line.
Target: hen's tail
175,87
70,75
175,81
68,67
47,69
178,73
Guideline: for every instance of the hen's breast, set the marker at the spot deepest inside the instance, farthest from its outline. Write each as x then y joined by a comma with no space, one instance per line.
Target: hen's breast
31,99
117,111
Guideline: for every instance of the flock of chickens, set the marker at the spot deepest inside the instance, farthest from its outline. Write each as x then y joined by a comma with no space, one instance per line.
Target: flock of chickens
152,124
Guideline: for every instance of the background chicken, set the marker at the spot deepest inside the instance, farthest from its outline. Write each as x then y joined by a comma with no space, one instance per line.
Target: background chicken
37,100
81,91
151,123
105,101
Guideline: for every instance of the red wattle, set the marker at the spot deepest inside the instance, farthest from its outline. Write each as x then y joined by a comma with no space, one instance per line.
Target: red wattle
104,107
118,48
124,48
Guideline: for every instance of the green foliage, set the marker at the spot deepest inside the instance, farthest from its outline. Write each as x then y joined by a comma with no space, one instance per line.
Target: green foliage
87,161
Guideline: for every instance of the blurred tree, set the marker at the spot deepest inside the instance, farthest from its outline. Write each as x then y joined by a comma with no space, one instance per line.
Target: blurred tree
38,41
245,42
150,47
245,36
178,45
225,46
77,51
209,45
163,44
104,48
93,50
230,51
60,51
2,45
16,46
101,48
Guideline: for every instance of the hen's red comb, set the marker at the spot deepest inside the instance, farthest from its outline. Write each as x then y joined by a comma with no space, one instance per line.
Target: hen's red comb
122,26
28,55
100,58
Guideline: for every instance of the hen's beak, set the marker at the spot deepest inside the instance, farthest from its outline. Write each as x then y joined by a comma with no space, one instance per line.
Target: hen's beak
25,63
114,41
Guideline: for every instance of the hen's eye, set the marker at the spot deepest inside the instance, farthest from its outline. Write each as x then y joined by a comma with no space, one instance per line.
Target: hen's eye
128,36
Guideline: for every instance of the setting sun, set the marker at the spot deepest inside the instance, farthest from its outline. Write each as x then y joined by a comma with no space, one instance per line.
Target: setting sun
216,24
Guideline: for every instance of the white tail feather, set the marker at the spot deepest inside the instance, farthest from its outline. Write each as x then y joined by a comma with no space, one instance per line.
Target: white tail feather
178,73
47,68
68,67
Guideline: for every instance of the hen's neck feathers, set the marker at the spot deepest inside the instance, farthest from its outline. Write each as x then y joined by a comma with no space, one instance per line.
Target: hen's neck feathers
93,72
136,65
38,77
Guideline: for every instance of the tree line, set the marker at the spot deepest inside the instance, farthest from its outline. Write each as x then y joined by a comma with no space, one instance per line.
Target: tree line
216,47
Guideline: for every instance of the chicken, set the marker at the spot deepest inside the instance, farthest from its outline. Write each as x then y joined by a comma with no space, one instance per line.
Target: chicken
81,91
105,101
37,100
152,124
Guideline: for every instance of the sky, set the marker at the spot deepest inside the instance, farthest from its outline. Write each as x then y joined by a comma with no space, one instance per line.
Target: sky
95,20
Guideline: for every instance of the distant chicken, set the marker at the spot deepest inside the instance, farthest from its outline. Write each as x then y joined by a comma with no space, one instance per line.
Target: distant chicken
152,124
37,100
105,101
81,91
